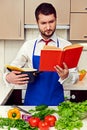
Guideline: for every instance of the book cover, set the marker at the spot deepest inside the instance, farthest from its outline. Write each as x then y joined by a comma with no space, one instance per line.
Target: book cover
31,72
51,56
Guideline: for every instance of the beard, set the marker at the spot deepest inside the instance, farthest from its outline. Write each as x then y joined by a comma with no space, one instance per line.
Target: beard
47,34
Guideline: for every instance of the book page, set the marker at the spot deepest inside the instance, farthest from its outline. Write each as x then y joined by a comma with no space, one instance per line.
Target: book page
46,47
72,46
29,69
15,68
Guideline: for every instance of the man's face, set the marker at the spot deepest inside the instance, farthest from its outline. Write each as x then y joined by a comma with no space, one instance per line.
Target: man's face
47,25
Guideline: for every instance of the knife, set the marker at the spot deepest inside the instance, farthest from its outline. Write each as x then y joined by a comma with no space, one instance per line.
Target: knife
21,109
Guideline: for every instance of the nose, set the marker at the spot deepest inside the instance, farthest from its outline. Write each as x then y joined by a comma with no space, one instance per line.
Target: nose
48,26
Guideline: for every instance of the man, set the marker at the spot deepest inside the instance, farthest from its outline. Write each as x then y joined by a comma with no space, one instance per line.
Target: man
48,87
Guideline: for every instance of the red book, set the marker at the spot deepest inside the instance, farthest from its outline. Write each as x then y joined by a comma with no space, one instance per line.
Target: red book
51,56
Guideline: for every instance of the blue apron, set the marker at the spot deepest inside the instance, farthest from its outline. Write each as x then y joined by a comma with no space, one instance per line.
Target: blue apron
45,89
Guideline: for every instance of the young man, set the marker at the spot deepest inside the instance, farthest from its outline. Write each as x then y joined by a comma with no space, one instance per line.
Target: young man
48,86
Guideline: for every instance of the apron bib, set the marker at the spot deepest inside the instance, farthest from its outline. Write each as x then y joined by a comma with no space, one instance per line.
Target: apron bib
45,89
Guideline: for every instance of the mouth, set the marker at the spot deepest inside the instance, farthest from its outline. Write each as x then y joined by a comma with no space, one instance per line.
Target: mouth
48,32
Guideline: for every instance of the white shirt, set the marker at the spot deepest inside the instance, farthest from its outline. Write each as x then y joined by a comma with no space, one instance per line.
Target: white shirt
24,56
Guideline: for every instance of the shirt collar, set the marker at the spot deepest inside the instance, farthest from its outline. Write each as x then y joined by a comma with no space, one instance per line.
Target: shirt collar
53,37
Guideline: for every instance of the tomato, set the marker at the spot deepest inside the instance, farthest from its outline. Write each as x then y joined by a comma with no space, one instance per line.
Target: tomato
43,125
34,121
50,119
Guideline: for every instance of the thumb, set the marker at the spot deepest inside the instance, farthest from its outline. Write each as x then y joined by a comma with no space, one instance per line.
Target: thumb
16,72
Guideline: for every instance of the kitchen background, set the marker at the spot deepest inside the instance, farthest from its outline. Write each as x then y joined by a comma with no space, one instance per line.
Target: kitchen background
17,24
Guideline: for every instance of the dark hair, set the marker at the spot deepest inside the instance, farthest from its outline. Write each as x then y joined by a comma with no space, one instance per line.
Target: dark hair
46,9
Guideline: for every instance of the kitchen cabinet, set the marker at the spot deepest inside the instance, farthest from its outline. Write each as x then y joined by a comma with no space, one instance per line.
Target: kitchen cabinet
62,8
78,20
15,98
78,29
12,19
78,95
78,5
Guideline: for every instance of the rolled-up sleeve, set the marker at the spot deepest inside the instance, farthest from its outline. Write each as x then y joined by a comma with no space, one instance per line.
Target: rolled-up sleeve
72,77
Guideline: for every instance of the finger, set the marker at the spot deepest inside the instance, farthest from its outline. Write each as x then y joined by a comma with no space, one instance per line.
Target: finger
22,82
23,79
58,68
65,65
22,75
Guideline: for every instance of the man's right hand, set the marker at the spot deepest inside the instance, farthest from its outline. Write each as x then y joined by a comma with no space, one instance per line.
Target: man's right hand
15,77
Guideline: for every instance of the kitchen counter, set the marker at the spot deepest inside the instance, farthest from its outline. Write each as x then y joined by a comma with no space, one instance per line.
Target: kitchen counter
5,91
80,85
4,110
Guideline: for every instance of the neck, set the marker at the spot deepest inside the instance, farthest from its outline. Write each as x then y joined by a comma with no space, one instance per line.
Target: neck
45,37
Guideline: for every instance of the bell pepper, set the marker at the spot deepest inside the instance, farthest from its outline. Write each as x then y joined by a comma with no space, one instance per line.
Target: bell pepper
14,113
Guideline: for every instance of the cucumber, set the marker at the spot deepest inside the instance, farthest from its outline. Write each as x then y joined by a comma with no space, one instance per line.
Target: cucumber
41,107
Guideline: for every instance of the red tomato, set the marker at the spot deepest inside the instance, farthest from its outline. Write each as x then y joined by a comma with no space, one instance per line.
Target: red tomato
50,119
43,125
34,121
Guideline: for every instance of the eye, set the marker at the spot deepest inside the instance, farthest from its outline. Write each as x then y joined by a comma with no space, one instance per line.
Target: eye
43,23
52,21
